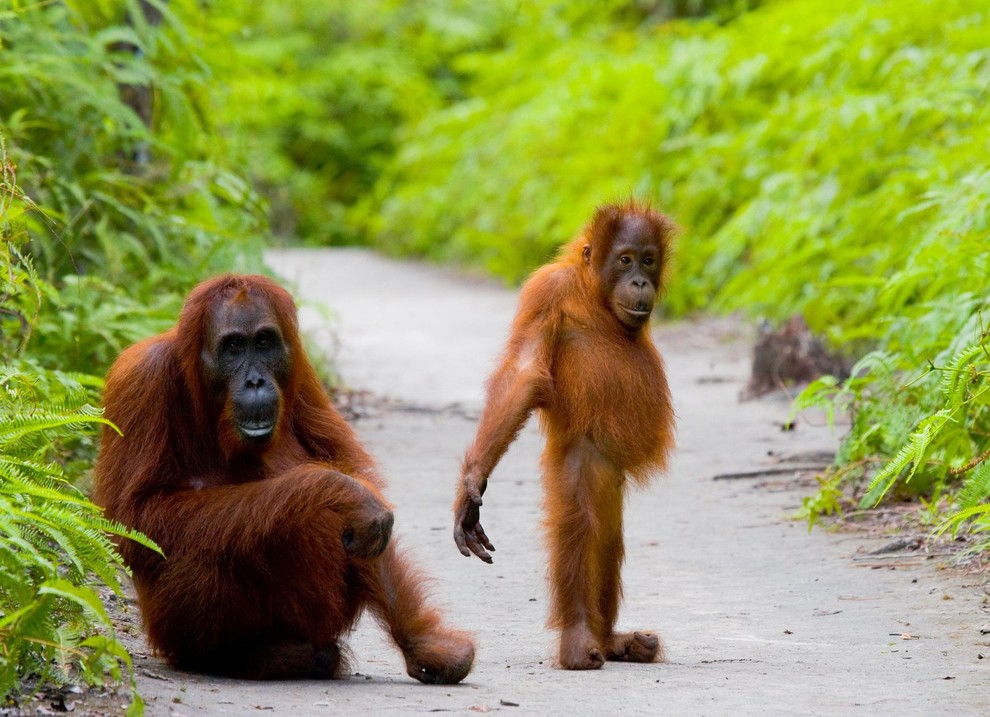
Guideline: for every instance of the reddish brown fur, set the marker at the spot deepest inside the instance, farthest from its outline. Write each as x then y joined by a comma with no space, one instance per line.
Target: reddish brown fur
256,581
604,405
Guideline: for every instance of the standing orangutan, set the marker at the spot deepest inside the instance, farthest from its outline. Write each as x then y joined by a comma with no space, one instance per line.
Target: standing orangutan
268,510
580,352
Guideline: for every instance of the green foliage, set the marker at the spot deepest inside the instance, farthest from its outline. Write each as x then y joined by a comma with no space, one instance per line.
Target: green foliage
963,389
53,625
827,501
123,216
54,544
788,169
930,434
318,90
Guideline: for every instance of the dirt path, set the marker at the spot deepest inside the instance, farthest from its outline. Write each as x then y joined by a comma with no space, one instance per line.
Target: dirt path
759,615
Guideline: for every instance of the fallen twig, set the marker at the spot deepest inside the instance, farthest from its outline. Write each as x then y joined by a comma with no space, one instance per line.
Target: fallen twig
769,471
902,556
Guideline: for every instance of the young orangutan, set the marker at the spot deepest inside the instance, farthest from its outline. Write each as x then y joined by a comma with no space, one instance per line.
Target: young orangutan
580,352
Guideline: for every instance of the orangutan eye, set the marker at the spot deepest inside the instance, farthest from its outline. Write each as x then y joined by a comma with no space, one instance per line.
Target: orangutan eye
625,260
648,260
232,345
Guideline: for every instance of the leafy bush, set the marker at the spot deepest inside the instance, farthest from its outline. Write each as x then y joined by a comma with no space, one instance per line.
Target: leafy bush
318,90
55,544
127,216
53,625
931,437
771,157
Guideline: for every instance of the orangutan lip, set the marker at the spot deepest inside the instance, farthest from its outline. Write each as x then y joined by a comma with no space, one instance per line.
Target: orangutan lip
637,312
256,431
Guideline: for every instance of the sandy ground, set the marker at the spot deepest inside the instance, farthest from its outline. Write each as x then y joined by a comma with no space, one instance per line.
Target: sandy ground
759,615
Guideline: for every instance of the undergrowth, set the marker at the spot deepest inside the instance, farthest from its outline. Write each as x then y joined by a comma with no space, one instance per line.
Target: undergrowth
55,545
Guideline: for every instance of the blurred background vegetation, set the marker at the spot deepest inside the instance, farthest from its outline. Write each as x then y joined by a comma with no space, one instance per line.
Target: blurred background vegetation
827,159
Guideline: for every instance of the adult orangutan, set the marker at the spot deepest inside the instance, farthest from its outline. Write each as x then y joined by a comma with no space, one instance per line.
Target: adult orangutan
580,353
268,510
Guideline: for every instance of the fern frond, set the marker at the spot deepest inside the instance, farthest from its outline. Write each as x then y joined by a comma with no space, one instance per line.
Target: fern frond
956,377
955,521
912,453
14,428
45,482
976,489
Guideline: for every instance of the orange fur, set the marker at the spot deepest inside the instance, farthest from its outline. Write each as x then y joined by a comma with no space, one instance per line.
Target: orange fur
605,408
255,581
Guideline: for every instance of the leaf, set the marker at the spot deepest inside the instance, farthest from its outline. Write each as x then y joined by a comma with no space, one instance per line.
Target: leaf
85,597
912,453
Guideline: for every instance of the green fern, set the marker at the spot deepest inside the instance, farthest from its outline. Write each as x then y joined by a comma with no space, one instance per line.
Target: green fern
34,427
980,514
54,541
911,454
950,433
976,490
959,373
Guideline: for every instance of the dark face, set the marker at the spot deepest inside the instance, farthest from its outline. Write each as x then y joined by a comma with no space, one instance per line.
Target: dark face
630,272
247,363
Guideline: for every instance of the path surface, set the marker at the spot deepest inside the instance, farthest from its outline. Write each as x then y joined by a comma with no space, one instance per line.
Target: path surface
759,615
